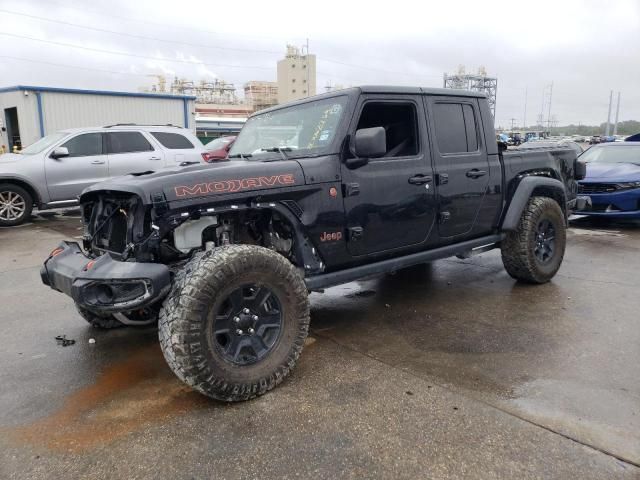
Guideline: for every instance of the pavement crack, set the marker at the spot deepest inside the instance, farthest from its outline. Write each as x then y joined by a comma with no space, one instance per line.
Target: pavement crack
465,394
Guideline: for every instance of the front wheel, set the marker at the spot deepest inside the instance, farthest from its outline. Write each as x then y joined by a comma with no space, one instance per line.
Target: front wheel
15,205
235,321
534,252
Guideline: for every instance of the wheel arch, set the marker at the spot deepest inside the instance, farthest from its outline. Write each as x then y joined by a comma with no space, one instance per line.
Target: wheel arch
31,190
306,255
532,186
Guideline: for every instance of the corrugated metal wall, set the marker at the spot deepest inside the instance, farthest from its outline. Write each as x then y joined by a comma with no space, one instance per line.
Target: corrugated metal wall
27,116
75,110
69,110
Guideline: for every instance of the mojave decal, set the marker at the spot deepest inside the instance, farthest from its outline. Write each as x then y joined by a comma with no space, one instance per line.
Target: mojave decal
230,186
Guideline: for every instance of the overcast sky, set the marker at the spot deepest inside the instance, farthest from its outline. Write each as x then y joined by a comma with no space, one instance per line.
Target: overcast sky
586,48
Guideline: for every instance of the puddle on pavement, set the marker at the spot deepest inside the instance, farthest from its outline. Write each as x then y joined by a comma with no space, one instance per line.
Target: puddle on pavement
125,398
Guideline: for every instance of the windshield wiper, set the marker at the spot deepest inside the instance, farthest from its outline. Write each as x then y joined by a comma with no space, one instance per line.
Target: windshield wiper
240,155
280,150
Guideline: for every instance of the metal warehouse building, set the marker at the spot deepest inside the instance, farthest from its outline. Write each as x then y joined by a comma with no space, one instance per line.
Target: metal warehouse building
28,113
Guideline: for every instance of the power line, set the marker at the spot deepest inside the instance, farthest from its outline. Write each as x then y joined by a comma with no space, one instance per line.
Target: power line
73,66
131,35
199,45
166,25
111,52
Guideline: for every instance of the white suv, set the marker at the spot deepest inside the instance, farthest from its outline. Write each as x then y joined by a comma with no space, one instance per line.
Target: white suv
52,172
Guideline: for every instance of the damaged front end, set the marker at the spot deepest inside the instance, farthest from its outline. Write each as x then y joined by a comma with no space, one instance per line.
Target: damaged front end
112,274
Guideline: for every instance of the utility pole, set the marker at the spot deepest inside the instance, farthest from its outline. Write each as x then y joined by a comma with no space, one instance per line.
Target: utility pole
549,113
524,117
513,123
609,114
615,125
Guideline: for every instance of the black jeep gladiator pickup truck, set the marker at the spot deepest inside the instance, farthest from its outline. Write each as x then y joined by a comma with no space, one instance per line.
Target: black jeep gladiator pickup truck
316,193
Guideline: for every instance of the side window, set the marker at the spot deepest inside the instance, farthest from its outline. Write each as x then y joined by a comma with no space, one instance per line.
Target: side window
85,145
456,130
128,142
400,122
172,141
470,127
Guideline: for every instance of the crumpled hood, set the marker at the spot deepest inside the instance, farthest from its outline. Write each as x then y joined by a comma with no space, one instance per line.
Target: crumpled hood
208,180
616,172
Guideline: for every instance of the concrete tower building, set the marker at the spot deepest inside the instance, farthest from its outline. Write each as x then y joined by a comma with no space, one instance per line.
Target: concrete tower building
296,75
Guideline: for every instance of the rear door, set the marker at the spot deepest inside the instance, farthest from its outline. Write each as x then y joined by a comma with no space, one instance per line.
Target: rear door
132,152
389,202
179,147
85,165
460,162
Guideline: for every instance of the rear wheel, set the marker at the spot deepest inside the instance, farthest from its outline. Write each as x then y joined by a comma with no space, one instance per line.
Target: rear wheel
534,252
16,205
235,322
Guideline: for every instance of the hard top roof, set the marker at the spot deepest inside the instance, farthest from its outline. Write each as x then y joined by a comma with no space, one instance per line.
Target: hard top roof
384,89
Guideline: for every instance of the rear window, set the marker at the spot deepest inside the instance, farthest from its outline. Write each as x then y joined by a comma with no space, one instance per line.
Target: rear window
172,141
456,130
128,142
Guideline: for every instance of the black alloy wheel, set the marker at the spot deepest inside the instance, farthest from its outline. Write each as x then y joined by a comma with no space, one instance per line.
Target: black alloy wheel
545,241
247,324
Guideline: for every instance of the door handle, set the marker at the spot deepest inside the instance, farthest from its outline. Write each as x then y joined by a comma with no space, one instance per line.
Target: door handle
475,173
420,179
154,158
97,162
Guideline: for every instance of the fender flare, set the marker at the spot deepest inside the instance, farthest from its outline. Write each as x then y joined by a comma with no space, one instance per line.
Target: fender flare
524,192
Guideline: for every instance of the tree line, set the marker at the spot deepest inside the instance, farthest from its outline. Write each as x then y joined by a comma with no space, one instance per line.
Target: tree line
628,127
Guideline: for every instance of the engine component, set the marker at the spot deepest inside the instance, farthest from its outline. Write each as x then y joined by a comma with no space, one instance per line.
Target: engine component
189,235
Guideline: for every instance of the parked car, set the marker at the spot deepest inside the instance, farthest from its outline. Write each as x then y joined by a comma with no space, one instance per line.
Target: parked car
546,144
595,139
52,172
611,187
515,139
218,149
224,255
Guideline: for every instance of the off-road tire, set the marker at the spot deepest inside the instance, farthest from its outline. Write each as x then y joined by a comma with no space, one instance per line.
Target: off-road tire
186,321
518,248
9,188
97,320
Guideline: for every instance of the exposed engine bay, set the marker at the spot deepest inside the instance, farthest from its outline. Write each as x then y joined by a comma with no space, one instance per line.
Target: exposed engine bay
122,227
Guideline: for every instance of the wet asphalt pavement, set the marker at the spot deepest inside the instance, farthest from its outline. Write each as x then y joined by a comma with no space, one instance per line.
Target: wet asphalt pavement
448,371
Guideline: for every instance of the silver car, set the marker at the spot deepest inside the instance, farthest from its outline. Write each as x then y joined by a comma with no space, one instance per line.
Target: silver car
52,172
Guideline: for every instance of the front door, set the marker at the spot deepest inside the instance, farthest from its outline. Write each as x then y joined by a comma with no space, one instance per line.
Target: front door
132,152
85,165
460,162
389,202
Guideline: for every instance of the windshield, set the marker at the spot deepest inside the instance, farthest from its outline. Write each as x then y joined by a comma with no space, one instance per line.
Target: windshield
219,143
43,143
306,129
626,154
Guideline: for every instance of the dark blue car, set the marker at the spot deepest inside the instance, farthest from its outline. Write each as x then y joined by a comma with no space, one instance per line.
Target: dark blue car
612,183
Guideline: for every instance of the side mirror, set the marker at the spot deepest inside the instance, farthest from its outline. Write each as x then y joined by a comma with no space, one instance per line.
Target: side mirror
60,152
370,142
580,170
502,146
